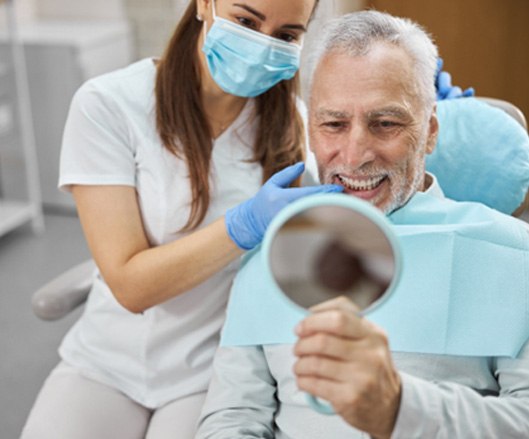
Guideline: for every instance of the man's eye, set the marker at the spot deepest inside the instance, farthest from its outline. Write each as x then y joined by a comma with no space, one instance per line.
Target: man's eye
334,125
386,124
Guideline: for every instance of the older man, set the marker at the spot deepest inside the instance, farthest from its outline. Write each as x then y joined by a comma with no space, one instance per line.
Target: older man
372,122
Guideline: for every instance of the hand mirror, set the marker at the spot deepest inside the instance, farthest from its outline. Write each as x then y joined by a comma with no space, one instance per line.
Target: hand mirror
324,246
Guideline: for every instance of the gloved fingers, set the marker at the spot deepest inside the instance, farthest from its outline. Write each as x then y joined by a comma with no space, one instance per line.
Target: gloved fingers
286,176
440,63
454,92
444,83
299,192
469,92
445,89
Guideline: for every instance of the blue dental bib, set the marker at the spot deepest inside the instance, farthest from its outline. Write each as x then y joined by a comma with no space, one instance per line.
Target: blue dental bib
464,288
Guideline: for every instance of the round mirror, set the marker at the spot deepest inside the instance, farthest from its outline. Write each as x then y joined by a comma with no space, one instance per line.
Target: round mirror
333,245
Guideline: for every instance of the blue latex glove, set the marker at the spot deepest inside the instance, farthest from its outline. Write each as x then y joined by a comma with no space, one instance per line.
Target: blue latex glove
443,84
247,222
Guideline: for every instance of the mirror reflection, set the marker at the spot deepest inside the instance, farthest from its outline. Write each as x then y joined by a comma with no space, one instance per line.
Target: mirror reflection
328,251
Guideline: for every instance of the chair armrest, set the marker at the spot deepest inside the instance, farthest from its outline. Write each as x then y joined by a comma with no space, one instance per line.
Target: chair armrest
64,293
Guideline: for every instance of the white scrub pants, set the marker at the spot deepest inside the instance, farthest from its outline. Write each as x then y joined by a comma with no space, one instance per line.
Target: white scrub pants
75,407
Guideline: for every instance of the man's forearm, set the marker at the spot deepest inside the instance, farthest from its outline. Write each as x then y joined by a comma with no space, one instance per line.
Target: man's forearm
454,411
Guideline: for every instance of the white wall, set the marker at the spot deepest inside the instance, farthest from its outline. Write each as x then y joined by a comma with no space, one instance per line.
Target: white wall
153,21
24,11
80,9
28,10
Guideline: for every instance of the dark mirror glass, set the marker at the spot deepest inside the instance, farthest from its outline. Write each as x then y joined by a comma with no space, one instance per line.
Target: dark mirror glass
328,251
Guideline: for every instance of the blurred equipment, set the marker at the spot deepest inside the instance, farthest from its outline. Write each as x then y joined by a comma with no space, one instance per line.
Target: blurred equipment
17,140
61,56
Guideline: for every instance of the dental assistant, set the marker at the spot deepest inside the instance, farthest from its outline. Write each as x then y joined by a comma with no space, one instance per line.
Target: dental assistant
166,160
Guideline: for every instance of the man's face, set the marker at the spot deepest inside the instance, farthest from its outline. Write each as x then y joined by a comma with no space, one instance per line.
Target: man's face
368,128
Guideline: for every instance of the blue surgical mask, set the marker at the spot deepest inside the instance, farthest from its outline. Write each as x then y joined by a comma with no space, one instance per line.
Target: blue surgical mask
247,63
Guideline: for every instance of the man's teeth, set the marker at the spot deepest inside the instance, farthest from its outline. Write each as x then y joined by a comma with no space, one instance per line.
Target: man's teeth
361,185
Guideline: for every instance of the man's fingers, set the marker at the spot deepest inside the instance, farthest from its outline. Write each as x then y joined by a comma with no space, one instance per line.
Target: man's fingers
334,321
324,367
340,302
323,388
328,346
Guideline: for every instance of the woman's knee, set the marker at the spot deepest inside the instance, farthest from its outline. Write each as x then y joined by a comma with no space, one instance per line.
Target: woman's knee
178,419
73,406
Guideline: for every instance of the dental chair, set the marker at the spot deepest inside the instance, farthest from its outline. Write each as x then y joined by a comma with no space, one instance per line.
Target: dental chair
516,114
471,117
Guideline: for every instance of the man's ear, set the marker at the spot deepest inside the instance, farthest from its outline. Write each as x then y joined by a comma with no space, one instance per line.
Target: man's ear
433,131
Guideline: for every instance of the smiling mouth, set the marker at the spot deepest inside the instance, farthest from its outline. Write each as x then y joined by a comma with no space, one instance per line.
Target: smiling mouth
364,184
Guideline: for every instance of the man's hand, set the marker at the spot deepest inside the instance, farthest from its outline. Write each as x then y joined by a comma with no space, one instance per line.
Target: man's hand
345,359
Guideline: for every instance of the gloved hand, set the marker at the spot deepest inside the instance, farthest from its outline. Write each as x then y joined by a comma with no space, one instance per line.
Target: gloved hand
247,222
445,89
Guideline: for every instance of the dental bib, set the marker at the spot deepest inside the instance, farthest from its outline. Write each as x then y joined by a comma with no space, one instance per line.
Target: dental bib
464,288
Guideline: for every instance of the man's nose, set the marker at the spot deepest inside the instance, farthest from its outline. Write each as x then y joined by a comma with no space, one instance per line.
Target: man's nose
359,148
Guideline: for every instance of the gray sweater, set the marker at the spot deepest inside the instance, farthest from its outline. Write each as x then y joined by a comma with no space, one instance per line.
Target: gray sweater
253,394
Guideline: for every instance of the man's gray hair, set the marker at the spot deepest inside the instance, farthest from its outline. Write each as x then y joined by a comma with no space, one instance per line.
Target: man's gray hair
356,33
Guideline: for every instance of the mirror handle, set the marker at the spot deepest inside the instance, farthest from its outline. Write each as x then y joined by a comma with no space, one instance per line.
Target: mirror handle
320,405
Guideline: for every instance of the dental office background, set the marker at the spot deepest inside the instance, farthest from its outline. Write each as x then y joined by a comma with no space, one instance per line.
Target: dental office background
484,43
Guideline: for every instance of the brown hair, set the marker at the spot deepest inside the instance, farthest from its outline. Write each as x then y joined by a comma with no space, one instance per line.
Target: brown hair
185,131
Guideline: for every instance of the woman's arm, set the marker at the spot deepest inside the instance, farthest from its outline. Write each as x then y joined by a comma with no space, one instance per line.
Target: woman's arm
445,410
141,276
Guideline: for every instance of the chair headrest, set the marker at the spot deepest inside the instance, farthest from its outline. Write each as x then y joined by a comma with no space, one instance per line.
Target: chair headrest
482,155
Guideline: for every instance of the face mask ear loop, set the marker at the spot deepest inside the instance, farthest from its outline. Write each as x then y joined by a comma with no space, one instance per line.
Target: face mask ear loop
301,43
213,9
214,18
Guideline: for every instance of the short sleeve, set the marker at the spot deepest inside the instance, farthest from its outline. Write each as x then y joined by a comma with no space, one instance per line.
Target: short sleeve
96,148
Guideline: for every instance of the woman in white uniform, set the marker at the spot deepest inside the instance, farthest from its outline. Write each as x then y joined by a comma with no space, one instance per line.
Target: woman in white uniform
165,160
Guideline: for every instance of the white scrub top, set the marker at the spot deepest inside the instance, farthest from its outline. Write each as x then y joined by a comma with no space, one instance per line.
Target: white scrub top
110,138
